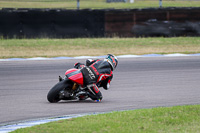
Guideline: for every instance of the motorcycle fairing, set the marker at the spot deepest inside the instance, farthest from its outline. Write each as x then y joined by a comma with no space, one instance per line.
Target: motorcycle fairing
75,75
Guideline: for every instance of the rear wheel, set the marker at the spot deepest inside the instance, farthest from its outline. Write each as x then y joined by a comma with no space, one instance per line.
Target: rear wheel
54,94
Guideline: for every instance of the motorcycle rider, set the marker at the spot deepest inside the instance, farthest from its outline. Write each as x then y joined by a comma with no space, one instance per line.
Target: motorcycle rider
97,73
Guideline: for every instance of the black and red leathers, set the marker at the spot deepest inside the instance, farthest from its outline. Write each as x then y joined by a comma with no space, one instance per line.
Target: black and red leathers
96,73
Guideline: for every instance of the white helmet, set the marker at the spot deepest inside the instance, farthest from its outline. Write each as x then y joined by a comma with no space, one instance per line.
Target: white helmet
112,60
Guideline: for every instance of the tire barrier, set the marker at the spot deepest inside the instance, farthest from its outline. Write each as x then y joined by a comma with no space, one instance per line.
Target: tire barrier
144,22
156,28
62,23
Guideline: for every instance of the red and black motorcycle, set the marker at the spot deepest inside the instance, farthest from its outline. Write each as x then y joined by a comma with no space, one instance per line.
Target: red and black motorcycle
69,88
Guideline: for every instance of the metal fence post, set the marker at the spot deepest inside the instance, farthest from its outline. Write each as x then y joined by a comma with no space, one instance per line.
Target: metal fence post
160,3
78,4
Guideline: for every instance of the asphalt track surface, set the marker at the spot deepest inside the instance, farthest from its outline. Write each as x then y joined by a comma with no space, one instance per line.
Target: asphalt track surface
137,83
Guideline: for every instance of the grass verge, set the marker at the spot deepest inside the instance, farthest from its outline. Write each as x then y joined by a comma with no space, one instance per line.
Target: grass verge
25,48
97,4
163,119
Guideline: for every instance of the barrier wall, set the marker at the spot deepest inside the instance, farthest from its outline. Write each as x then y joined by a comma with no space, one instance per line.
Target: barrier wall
60,23
37,23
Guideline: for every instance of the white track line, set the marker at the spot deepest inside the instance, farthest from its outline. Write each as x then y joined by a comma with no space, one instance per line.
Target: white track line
86,57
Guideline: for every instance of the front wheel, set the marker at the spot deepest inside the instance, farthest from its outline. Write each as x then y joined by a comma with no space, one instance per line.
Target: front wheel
53,95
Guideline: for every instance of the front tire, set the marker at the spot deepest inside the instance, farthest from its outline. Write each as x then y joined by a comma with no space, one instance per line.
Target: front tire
53,95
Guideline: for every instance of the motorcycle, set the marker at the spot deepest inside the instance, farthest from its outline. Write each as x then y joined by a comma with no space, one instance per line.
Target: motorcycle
70,88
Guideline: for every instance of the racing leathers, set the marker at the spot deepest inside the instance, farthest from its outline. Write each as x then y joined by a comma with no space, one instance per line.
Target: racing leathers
96,73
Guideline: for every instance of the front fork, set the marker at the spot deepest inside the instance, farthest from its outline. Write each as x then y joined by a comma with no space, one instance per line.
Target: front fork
75,86
76,89
64,93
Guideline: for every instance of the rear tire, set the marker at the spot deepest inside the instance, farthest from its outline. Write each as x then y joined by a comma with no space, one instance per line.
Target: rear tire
53,95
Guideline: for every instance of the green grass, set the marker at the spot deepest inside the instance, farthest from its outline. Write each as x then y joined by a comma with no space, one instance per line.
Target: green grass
179,119
25,48
97,4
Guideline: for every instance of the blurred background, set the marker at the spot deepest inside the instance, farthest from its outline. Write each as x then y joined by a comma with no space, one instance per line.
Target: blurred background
99,18
97,4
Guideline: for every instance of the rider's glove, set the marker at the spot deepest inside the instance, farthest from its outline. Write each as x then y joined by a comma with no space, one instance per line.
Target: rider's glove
78,65
89,62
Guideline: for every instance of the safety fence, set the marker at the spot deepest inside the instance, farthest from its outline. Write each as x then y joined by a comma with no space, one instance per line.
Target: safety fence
98,4
62,23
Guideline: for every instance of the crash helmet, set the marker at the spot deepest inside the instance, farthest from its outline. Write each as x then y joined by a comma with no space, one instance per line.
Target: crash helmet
112,60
